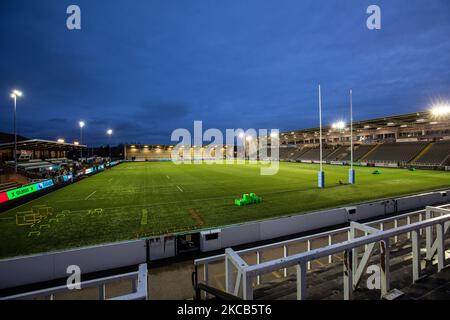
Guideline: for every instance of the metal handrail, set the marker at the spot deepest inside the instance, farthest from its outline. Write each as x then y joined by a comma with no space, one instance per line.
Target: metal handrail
280,244
314,254
140,276
247,273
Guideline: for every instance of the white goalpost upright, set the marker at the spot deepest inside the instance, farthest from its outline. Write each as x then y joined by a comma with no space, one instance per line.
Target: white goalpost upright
321,176
351,173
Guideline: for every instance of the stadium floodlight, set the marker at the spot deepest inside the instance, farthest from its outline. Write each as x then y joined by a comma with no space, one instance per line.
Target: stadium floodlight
60,140
81,124
109,132
340,125
440,110
14,95
76,143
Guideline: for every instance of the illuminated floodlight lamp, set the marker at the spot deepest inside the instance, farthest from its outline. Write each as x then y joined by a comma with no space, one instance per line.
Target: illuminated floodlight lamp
109,132
60,140
440,110
16,93
76,143
274,134
340,125
81,124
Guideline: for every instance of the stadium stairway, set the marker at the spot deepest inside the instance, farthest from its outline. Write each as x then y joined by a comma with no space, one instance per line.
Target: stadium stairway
370,152
326,282
423,152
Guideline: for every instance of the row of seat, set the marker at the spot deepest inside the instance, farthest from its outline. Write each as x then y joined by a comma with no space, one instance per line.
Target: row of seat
438,153
417,152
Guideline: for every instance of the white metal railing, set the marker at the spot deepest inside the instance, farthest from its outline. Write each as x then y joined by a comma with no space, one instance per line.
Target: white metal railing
138,279
369,229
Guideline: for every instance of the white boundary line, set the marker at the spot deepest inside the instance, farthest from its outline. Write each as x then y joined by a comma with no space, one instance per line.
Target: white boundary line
90,195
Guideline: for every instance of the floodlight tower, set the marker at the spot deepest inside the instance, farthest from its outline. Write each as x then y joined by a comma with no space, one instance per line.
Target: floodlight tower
351,173
15,94
109,132
81,124
321,175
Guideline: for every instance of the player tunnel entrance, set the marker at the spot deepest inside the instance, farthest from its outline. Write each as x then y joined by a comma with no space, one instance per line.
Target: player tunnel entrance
188,243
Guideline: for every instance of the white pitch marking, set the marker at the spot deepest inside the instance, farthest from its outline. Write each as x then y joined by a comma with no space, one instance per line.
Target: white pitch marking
90,195
181,190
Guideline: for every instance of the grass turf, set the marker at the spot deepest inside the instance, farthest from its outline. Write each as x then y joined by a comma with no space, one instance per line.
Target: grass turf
135,200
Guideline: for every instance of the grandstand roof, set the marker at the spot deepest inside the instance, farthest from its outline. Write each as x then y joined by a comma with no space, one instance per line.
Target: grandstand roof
389,121
38,144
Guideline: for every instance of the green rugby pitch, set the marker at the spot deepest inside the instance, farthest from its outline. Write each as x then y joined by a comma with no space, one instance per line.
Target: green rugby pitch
135,200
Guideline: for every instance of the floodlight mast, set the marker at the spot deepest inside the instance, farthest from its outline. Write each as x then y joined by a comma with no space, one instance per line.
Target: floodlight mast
81,124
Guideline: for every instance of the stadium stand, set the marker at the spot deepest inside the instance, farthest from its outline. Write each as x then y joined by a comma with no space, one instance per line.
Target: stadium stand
299,153
147,153
286,153
359,152
437,154
9,186
314,154
337,153
396,152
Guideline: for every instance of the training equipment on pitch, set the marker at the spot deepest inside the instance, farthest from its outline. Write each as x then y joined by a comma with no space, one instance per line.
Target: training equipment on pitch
248,199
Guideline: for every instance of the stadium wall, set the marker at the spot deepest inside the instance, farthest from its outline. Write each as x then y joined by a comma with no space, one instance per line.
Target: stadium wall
53,265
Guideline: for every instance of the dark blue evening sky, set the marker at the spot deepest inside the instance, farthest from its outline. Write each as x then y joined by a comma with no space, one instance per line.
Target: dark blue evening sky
147,67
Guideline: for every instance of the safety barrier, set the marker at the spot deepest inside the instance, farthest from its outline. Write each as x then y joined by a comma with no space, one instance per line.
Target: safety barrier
374,232
138,279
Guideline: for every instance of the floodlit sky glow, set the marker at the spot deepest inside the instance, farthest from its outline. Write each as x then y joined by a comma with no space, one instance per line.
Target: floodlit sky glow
146,67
